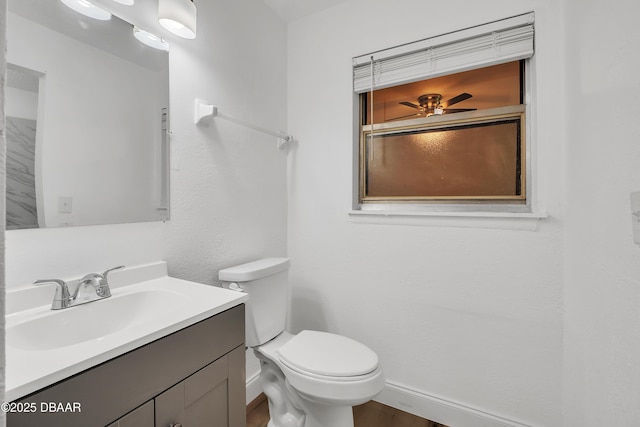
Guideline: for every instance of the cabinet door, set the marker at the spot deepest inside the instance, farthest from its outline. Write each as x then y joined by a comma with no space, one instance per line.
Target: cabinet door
140,417
201,400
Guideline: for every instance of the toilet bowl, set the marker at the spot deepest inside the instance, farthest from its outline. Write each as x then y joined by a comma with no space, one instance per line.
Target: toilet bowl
313,378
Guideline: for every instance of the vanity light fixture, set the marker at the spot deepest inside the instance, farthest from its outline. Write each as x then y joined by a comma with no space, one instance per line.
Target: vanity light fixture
150,40
178,17
87,9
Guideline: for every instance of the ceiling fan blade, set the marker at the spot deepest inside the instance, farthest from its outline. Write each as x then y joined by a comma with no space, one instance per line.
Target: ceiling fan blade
409,104
404,117
457,110
456,99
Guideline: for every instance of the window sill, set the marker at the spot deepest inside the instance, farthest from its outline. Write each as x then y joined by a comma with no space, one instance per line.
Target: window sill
527,221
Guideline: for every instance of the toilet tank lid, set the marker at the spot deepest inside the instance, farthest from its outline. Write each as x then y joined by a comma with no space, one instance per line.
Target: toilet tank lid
254,270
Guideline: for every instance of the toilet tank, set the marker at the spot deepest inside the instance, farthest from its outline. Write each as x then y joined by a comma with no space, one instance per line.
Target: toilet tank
266,282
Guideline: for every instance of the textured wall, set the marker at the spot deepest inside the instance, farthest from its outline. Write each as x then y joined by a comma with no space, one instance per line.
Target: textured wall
602,270
461,312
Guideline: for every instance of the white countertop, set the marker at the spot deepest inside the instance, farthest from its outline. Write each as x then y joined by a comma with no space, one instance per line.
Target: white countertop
184,303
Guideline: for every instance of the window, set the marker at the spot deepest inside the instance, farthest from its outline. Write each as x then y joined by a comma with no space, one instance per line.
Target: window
443,120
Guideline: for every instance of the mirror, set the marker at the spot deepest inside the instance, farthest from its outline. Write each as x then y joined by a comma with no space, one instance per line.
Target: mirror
87,114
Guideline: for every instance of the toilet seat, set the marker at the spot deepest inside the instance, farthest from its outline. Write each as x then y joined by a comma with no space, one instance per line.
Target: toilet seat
326,389
328,356
359,378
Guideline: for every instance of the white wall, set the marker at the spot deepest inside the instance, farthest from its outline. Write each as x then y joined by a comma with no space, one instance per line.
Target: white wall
602,265
24,103
463,313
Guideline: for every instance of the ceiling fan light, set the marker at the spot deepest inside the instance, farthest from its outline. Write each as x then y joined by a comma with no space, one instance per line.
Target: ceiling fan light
87,9
178,17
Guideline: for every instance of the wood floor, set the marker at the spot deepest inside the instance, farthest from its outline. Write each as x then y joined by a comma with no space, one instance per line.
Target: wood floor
371,414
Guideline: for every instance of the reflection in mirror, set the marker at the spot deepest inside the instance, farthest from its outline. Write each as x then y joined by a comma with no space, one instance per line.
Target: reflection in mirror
21,125
86,109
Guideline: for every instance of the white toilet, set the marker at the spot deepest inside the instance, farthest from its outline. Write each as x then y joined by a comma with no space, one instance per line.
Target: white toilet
311,379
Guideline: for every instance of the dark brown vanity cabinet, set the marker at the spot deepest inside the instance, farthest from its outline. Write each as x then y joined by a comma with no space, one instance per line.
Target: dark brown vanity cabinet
200,400
143,416
192,378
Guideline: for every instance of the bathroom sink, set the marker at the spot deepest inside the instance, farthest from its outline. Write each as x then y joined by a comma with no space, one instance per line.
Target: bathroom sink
61,328
44,346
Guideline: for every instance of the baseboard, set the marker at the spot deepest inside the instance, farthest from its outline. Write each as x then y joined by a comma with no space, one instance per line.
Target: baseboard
440,410
421,404
253,387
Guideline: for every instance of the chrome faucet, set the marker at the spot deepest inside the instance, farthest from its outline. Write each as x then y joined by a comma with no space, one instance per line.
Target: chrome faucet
91,287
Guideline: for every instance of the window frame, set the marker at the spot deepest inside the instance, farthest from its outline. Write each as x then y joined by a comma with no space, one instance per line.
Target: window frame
443,206
494,115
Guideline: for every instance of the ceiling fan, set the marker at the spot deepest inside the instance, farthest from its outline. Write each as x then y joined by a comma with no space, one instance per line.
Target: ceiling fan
431,104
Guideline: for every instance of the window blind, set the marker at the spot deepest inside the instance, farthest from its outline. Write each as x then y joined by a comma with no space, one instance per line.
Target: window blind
493,43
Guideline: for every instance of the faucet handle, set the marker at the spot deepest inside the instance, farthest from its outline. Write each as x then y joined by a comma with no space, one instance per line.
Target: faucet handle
104,290
62,283
62,296
110,270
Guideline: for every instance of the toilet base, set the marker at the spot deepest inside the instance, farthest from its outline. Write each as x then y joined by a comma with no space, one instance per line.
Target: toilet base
288,408
321,416
328,416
